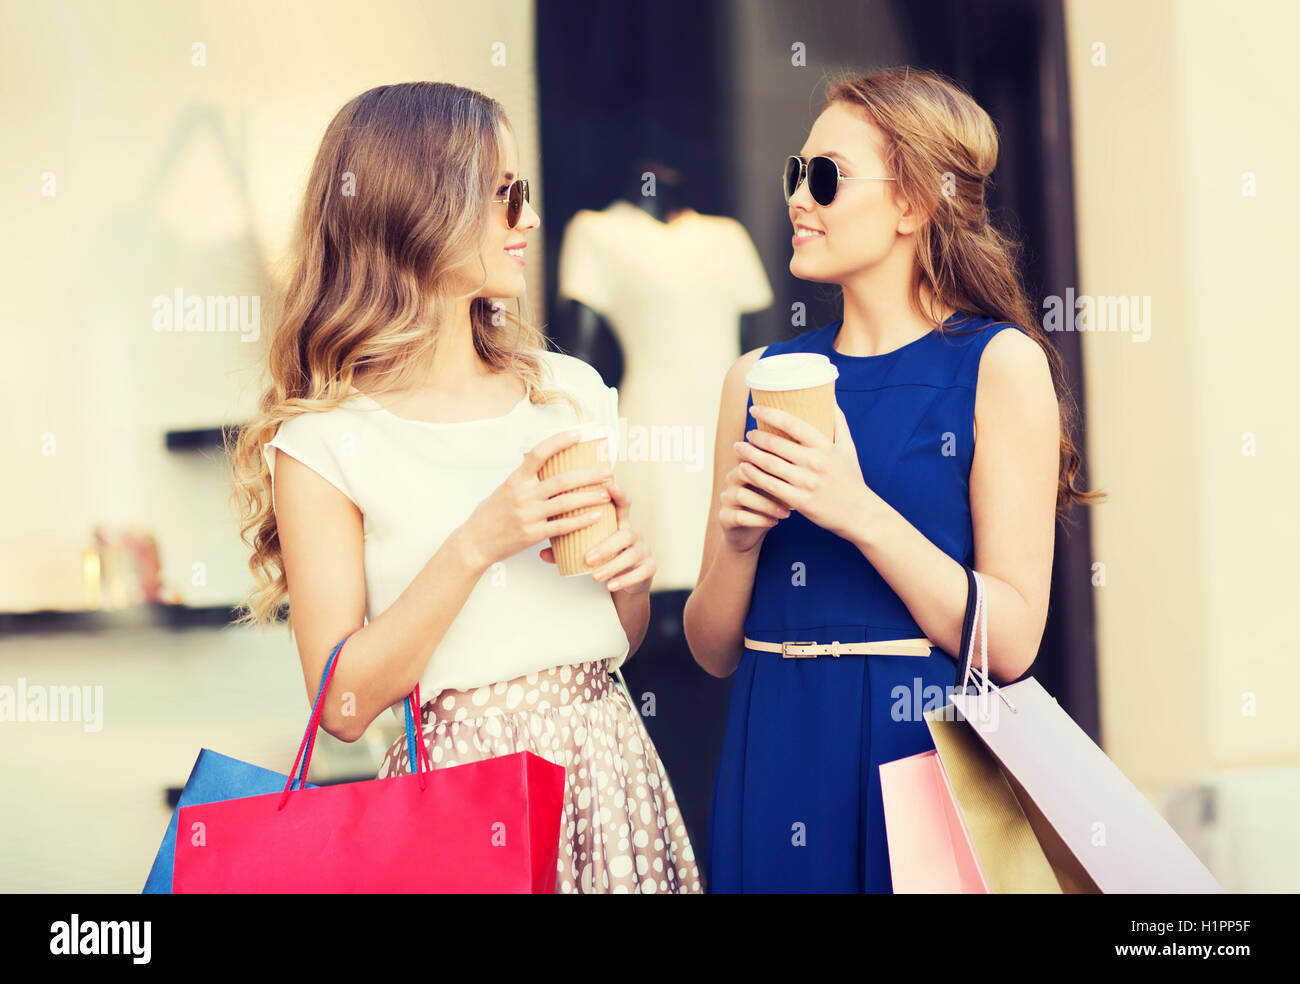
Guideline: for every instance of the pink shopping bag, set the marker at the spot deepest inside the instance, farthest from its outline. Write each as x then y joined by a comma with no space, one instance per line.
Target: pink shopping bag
930,847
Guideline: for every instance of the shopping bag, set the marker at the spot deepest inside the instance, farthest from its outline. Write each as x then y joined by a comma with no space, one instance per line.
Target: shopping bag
930,848
490,826
1095,829
934,846
219,777
1004,841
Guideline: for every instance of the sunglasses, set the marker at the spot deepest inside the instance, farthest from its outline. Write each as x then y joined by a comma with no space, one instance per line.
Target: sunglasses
515,198
821,173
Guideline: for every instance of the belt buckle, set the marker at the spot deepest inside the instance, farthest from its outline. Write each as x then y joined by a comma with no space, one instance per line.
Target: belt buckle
786,654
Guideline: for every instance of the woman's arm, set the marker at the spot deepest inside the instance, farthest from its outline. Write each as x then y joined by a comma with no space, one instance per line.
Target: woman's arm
624,564
714,617
1013,486
322,542
634,615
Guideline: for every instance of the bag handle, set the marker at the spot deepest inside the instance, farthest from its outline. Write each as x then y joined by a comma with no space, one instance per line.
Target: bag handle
313,725
976,620
411,707
967,650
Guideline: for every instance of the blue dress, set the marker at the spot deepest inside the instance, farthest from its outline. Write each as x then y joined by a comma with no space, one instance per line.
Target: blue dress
796,798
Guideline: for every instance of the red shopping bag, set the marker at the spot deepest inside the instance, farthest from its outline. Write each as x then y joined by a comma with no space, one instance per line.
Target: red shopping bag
490,826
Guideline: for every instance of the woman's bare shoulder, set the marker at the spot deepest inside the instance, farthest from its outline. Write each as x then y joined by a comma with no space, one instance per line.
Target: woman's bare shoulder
740,368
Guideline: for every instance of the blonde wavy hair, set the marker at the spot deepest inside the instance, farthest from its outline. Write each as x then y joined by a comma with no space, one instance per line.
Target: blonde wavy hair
398,197
941,148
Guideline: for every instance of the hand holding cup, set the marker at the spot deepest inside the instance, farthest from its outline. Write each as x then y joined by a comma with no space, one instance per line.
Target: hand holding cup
802,469
622,561
529,507
569,549
802,456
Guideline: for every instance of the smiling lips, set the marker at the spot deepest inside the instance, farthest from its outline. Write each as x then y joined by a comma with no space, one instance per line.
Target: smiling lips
516,252
805,234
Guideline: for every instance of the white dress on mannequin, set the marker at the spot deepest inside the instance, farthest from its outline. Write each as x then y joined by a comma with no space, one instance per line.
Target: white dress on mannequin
673,293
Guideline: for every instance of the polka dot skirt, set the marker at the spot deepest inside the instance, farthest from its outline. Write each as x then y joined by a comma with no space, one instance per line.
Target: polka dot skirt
621,830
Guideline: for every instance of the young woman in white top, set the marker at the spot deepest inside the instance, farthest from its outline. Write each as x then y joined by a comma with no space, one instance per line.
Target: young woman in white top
412,414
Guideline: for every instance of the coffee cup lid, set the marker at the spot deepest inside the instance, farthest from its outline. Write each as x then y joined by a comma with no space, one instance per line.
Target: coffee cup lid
791,371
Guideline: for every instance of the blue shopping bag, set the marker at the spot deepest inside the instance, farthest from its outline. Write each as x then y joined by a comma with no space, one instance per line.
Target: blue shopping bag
214,777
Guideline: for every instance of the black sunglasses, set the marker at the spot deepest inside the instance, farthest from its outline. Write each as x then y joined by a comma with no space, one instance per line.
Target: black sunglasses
515,198
823,176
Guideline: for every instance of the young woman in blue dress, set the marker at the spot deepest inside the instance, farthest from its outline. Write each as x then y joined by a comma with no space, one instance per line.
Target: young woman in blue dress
951,447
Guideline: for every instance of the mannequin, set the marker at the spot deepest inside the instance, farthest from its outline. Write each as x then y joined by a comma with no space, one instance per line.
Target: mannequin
585,327
670,286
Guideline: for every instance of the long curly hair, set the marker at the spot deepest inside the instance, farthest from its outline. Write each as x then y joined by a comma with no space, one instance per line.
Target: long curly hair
398,197
941,148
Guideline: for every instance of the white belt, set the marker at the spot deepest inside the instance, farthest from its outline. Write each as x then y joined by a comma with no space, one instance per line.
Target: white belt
886,647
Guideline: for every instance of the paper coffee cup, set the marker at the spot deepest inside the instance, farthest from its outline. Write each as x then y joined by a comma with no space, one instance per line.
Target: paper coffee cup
801,383
593,450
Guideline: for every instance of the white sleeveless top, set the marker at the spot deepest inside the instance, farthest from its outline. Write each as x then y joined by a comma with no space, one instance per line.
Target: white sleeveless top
415,482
